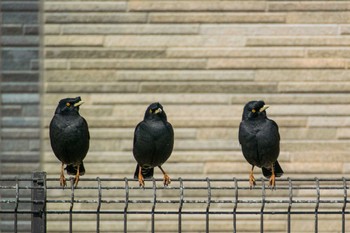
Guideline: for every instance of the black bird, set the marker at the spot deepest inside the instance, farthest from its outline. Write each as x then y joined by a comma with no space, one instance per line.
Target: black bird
260,141
69,137
153,143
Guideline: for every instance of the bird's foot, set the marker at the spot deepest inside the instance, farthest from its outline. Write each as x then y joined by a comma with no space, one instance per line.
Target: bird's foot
166,180
252,182
76,180
272,181
63,181
141,181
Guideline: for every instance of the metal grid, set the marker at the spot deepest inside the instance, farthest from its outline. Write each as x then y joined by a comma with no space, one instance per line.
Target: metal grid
205,198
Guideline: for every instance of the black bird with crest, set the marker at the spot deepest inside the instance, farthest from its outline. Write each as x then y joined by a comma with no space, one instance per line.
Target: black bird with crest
69,137
260,141
153,143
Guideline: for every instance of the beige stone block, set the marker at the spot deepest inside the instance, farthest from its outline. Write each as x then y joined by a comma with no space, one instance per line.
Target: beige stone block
340,87
318,17
164,99
90,53
307,110
196,6
55,64
329,121
90,76
313,167
298,41
87,17
130,29
314,145
185,75
279,63
302,75
92,6
228,168
329,53
138,64
269,30
91,87
308,133
208,87
233,52
206,122
73,41
343,133
205,156
216,17
299,98
344,29
212,144
173,40
52,29
320,156
217,133
308,6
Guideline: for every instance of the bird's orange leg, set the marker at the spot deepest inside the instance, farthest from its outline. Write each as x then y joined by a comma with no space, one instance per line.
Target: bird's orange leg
76,179
62,178
140,177
272,181
166,179
251,178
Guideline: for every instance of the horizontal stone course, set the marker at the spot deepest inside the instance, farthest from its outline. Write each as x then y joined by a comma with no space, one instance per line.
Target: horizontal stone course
203,60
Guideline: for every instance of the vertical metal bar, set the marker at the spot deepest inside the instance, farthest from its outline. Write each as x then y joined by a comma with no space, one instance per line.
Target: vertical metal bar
208,206
263,194
235,206
98,205
290,188
317,203
344,205
16,207
71,206
38,202
181,205
126,205
154,202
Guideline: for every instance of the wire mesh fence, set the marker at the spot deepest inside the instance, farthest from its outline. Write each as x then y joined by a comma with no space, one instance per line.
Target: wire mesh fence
188,205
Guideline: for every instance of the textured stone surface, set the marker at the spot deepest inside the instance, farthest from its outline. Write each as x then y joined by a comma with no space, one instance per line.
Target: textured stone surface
203,60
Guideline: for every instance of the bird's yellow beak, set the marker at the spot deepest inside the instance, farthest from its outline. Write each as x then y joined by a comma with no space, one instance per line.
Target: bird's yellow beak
264,108
159,110
79,103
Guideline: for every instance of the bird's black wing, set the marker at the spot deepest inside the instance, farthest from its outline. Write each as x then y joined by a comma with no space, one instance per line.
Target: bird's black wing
164,143
268,142
247,139
144,146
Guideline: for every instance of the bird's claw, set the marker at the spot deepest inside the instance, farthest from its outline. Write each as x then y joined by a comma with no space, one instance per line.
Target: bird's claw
252,182
166,180
141,181
272,182
63,182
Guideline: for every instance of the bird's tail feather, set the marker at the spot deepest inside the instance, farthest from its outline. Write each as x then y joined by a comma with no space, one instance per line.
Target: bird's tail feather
146,172
278,171
72,169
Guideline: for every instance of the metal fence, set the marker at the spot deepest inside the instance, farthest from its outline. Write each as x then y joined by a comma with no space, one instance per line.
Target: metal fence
188,205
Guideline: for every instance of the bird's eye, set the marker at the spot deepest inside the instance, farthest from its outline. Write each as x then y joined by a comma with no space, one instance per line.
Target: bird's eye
253,110
68,104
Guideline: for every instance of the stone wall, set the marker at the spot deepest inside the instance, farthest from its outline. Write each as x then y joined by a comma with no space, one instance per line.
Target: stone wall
19,97
203,60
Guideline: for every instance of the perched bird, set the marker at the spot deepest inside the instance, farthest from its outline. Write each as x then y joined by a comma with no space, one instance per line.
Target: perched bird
260,141
69,137
153,143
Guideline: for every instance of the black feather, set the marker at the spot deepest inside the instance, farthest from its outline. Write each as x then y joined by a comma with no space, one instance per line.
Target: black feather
259,138
153,139
69,135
